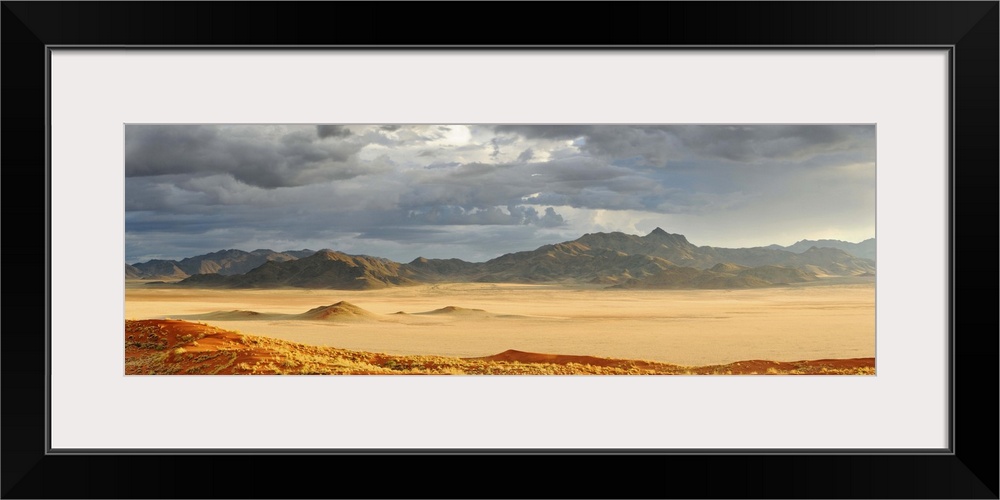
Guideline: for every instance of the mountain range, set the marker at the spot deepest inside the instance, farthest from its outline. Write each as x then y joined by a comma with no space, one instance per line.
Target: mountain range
323,269
223,262
864,249
656,260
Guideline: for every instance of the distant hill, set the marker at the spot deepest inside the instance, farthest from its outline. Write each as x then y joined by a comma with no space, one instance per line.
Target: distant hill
423,269
132,273
864,249
230,262
656,260
159,269
224,262
323,269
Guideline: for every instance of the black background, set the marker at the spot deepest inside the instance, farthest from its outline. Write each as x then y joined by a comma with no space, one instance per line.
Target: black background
972,472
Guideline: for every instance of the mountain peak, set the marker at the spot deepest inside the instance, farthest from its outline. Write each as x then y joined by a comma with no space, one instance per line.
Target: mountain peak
659,235
327,254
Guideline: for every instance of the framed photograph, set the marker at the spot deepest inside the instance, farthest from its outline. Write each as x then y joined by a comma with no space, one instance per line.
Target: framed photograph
561,268
495,249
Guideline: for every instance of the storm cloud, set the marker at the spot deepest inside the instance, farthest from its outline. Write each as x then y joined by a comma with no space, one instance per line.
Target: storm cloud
263,156
470,191
325,131
657,144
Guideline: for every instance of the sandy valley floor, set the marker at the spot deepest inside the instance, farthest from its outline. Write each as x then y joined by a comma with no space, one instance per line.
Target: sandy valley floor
688,327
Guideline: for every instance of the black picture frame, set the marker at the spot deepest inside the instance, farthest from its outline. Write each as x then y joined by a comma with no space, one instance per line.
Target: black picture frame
970,29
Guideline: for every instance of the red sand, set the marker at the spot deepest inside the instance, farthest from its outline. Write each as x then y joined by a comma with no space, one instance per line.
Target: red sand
181,347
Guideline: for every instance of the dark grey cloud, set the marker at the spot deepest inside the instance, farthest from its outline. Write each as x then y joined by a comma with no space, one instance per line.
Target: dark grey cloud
579,171
496,148
324,131
450,164
768,142
653,145
658,144
550,218
267,158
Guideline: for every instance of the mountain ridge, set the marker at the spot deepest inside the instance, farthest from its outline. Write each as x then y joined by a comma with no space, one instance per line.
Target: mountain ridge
864,249
657,260
225,262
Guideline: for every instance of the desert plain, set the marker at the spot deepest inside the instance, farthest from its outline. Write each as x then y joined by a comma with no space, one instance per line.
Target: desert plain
830,319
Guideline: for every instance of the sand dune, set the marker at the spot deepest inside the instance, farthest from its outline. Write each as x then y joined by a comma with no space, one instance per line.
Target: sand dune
464,313
234,315
339,311
342,311
456,310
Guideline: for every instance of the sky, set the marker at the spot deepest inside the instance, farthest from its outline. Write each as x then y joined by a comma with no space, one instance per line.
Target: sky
478,191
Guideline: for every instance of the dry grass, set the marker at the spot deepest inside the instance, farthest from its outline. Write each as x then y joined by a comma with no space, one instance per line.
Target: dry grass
155,347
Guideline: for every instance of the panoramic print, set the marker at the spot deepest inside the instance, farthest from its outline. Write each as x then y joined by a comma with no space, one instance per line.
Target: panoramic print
442,249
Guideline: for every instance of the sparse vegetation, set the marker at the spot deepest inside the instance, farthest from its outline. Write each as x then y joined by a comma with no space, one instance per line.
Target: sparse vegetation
229,352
